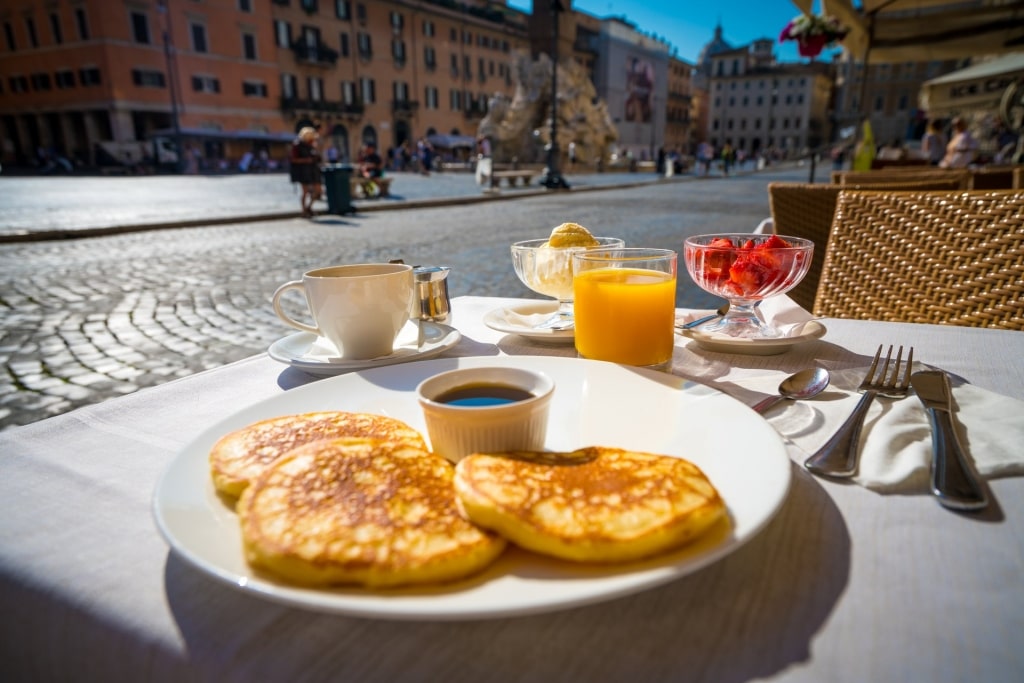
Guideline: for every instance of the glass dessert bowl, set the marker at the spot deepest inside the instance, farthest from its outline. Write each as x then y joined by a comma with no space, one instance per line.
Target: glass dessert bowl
545,266
745,269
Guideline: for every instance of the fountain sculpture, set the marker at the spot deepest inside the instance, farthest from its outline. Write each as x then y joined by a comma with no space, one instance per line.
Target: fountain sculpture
520,127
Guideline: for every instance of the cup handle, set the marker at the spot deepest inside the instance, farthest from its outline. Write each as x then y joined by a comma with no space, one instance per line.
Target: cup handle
294,284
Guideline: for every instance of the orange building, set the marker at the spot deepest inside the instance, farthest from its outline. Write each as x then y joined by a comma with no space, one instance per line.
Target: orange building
90,80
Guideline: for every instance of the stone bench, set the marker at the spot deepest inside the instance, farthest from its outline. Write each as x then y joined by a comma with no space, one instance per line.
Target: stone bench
512,178
357,185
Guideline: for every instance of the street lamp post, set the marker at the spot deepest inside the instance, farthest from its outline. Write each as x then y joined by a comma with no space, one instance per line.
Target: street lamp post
172,82
552,178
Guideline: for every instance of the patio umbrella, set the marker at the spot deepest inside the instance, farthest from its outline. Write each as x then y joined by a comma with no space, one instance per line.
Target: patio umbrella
892,31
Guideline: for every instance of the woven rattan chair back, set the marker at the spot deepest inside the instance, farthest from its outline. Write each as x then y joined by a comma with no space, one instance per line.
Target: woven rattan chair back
955,258
909,174
993,178
806,210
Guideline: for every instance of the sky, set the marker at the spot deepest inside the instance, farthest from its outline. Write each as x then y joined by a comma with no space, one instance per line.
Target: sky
688,25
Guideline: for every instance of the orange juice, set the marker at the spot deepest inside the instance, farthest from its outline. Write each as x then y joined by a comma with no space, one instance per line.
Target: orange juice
625,315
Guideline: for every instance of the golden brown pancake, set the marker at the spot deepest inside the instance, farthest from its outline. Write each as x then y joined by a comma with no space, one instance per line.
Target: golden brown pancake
364,511
241,456
592,505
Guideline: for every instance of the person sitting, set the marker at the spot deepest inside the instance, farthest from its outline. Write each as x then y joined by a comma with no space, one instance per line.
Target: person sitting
961,149
370,163
371,166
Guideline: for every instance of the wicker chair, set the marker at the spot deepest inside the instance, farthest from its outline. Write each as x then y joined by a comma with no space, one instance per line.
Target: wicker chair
909,174
806,210
955,258
992,178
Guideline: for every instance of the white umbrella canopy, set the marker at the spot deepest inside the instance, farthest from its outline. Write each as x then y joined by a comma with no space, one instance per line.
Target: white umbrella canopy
891,31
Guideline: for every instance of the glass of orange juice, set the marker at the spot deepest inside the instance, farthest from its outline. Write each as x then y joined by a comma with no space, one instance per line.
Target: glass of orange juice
625,304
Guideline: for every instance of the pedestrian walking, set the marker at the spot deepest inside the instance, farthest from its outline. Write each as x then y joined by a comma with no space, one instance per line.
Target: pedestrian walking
728,157
305,168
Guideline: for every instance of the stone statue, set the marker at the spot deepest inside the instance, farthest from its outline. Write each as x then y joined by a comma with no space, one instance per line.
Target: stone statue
520,127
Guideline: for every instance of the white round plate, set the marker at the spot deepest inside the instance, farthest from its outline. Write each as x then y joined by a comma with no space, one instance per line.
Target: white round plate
594,403
754,347
318,356
511,320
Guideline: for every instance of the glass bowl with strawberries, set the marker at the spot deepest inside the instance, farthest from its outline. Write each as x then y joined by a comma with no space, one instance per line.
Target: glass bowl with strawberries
745,269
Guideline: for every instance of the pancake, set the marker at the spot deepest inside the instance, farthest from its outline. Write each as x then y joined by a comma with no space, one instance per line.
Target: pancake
592,505
241,456
363,511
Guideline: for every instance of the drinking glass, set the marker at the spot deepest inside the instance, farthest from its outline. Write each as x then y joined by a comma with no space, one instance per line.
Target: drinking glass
625,302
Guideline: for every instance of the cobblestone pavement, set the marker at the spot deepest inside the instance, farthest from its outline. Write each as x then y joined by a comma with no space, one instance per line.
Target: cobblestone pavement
84,320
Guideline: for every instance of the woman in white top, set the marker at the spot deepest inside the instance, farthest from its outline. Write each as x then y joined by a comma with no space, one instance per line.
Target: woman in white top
961,149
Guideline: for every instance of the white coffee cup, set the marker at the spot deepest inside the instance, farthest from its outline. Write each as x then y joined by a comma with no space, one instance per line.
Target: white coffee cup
359,308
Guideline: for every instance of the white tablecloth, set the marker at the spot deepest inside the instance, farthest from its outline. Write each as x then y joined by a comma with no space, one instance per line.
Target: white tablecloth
845,584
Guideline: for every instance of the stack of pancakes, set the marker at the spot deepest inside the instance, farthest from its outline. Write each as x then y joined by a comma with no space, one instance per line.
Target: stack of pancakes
340,498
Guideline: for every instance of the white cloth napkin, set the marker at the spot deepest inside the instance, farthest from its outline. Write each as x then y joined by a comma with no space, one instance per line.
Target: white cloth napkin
896,440
780,311
896,451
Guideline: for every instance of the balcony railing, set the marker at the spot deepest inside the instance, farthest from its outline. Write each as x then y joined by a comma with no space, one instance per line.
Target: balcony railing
320,55
475,111
404,107
292,104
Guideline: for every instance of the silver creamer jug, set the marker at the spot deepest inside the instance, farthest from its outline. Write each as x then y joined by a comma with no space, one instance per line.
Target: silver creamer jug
432,294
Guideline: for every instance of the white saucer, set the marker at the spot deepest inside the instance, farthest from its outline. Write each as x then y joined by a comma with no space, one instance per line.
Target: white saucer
754,347
510,320
318,356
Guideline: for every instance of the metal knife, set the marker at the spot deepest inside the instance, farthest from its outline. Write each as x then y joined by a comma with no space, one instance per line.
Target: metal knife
954,482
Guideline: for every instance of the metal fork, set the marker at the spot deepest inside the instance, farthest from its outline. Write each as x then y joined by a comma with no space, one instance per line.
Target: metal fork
838,457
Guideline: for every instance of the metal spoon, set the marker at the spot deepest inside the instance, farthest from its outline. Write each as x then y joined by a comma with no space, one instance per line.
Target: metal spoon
804,384
700,321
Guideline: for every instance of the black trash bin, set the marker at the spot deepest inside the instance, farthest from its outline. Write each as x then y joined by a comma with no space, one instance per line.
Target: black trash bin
339,192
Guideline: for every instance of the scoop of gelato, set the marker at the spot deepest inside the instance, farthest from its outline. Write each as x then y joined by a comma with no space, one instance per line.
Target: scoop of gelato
571,235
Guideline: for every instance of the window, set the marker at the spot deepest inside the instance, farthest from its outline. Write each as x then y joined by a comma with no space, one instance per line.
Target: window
64,78
140,28
430,58
364,45
428,28
361,12
9,36
282,33
18,84
89,75
205,84
455,100
30,28
467,69
40,81
289,85
245,5
249,46
481,69
398,51
81,23
309,6
55,30
348,92
254,89
430,97
400,91
147,78
879,103
343,43
315,87
343,10
397,21
198,33
455,65
453,35
367,90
